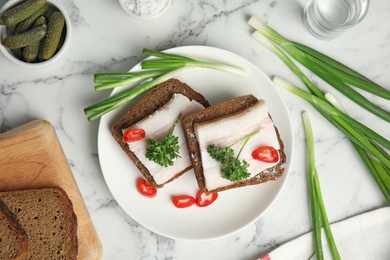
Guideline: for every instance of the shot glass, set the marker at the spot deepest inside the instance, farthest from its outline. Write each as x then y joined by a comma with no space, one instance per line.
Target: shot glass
328,19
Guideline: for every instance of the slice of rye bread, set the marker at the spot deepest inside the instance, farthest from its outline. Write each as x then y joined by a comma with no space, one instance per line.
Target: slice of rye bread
217,111
13,238
149,103
47,215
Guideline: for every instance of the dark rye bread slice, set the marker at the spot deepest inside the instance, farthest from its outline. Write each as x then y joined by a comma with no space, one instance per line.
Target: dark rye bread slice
152,101
216,112
13,238
47,216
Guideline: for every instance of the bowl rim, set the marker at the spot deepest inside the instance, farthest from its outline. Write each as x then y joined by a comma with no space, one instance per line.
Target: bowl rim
7,52
132,14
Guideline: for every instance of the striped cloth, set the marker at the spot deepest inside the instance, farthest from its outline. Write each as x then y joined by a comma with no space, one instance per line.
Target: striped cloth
365,236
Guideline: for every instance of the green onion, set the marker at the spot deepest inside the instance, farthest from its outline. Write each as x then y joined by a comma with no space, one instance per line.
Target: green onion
380,173
349,125
331,71
296,49
267,43
370,146
168,60
355,78
317,203
96,111
115,76
351,93
121,80
315,209
375,170
366,143
154,72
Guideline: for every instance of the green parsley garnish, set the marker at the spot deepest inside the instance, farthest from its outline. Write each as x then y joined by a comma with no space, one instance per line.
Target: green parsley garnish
232,168
163,152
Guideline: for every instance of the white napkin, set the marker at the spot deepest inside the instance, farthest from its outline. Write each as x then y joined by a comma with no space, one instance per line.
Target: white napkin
365,236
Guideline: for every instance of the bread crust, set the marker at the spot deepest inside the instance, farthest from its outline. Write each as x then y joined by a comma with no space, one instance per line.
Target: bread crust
216,112
152,101
15,226
17,200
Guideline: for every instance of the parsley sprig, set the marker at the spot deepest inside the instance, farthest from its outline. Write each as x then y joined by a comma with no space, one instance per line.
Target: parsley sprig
232,168
163,152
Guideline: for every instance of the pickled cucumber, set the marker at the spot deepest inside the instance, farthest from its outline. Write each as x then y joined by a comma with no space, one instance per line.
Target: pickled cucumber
24,39
31,52
17,52
21,11
41,20
28,22
10,30
54,30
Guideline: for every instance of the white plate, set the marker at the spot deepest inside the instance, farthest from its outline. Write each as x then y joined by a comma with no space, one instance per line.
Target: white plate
234,209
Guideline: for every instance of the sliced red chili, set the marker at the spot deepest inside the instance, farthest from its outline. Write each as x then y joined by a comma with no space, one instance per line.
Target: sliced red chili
183,201
145,188
133,135
266,154
204,199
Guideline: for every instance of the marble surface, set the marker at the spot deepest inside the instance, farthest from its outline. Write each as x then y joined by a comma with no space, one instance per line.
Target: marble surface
106,39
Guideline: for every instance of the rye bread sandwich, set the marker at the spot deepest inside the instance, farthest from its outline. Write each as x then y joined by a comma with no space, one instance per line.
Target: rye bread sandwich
152,117
234,144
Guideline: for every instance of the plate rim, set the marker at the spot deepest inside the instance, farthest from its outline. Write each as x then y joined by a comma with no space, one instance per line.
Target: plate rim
283,179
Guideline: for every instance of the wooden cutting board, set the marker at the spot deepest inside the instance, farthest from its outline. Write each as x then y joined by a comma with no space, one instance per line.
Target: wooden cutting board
31,156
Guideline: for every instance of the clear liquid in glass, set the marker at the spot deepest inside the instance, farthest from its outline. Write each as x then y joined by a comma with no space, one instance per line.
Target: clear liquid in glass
333,12
327,19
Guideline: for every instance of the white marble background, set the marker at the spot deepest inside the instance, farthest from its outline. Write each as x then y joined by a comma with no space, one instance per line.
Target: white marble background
105,39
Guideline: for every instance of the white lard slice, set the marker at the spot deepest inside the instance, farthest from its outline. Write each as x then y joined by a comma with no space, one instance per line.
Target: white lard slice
157,126
224,132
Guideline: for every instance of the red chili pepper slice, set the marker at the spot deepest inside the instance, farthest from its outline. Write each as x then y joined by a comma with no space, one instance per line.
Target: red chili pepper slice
183,201
266,154
204,199
133,135
145,188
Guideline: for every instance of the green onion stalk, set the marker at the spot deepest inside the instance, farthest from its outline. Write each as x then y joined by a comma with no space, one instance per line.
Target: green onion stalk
371,146
364,140
167,60
101,108
113,80
154,72
380,173
319,215
333,72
